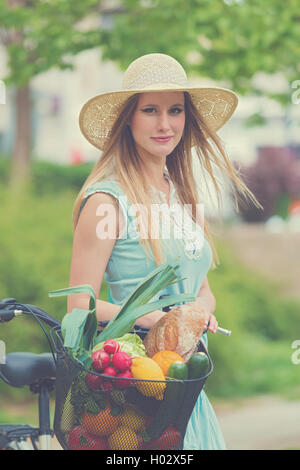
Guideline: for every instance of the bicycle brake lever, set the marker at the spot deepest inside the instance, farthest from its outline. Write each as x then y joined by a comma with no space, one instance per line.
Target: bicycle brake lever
220,330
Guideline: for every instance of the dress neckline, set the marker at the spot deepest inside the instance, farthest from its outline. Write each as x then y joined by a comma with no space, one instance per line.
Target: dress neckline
160,194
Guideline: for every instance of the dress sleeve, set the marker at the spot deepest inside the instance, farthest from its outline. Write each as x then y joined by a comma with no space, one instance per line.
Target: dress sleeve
114,189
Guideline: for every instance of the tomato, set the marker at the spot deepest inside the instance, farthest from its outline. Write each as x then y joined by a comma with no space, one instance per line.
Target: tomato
81,439
169,440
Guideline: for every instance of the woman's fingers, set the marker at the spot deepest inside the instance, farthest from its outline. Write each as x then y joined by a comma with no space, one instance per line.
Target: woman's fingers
213,324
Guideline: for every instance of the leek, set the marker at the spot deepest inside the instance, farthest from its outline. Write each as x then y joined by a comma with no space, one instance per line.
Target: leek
79,328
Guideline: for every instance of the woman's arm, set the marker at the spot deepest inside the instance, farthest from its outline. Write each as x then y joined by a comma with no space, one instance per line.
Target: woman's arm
205,298
91,254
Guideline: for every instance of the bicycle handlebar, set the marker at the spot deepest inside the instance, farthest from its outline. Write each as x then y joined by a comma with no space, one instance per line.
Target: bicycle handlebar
7,315
10,308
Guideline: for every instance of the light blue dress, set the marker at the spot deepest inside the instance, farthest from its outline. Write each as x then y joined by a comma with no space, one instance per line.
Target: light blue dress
127,267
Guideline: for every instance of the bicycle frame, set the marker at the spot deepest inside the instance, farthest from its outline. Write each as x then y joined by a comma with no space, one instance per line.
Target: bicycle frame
17,436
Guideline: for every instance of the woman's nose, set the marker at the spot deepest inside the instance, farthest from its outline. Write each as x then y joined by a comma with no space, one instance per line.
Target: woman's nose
163,121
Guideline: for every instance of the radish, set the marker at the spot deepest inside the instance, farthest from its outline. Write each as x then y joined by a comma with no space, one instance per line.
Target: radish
124,383
107,386
110,371
111,346
93,381
101,360
121,361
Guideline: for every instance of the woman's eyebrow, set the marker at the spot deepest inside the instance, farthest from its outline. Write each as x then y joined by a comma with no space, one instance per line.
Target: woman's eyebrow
178,104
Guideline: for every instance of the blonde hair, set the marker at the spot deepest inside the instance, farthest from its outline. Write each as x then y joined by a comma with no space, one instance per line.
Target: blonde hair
120,158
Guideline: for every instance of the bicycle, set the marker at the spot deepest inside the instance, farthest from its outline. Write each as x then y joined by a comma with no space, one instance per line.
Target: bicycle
37,371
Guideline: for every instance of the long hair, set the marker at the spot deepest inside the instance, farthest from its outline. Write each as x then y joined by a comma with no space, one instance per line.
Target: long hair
120,158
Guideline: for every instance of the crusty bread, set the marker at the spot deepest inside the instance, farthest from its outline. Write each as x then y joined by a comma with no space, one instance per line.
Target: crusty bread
178,330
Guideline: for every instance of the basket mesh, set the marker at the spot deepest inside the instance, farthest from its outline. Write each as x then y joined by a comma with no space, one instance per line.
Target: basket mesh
120,414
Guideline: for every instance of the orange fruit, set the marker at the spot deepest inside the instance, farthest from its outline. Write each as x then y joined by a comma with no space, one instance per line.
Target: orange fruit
165,358
101,424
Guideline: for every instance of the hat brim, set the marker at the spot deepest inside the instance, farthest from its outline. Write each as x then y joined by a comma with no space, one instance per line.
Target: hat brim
97,116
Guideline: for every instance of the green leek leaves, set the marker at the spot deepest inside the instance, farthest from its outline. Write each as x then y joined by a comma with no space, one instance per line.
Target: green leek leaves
79,328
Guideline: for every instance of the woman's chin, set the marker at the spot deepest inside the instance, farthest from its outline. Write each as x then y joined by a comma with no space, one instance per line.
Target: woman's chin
162,152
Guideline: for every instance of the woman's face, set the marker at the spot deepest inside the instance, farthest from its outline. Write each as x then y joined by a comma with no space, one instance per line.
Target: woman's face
158,122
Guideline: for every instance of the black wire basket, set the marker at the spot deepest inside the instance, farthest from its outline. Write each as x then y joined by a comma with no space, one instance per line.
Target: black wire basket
120,413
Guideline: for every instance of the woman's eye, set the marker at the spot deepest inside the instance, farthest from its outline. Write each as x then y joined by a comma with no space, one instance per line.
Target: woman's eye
148,110
176,110
153,110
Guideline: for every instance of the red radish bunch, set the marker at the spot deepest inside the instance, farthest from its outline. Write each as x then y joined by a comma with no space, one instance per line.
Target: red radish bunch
112,362
107,386
124,383
93,381
101,360
111,346
110,371
121,361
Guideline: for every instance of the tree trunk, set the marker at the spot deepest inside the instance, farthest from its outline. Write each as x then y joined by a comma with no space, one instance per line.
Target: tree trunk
21,168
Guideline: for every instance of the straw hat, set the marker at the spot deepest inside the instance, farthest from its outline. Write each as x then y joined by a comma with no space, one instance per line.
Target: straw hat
153,72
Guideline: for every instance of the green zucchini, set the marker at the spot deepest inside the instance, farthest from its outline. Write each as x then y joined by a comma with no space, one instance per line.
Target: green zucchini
198,365
177,370
173,395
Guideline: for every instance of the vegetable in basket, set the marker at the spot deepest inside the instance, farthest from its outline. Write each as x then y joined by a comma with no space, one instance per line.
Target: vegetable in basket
178,371
79,328
103,423
198,365
169,440
81,439
129,343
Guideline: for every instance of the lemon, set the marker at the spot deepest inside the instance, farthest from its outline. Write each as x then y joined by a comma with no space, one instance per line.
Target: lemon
124,438
147,369
132,418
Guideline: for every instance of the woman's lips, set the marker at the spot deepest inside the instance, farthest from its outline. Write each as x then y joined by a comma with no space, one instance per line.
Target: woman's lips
162,139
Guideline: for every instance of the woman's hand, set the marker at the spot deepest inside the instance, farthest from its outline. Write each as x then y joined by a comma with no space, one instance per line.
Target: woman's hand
213,324
211,320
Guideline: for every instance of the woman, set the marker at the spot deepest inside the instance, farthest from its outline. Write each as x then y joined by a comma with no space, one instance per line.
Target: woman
146,132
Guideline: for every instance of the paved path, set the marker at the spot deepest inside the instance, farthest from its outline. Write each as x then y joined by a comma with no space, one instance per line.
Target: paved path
264,423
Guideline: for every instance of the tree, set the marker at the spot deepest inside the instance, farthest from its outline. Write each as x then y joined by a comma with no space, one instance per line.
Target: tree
226,40
39,35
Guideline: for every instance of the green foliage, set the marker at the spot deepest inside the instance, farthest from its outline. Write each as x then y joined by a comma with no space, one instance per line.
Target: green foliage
257,357
48,177
223,40
282,205
42,35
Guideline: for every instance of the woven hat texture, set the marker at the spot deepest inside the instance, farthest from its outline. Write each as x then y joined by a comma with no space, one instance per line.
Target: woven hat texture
153,72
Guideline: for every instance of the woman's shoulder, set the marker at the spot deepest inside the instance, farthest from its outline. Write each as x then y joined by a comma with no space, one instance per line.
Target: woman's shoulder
108,183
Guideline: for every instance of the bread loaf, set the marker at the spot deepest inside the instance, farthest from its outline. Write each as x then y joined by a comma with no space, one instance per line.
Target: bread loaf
178,330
